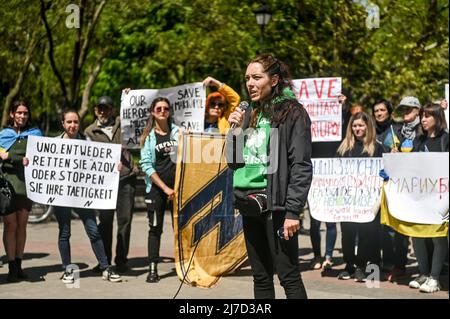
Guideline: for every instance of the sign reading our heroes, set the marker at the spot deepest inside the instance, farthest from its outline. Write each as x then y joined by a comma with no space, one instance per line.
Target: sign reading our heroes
187,102
319,96
72,173
345,189
418,187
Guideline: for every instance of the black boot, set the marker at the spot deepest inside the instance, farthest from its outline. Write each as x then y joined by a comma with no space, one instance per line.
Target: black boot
12,272
153,273
20,273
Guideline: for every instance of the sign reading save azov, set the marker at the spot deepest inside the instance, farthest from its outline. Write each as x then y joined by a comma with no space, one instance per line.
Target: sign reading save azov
72,173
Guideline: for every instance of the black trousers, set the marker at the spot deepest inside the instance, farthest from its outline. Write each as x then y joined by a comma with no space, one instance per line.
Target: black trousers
124,209
268,253
395,249
367,235
156,207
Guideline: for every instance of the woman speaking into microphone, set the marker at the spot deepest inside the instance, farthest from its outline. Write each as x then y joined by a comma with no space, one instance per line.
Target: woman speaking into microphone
273,174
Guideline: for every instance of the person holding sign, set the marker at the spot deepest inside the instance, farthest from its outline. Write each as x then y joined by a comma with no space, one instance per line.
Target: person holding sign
321,150
360,141
159,143
394,244
71,126
271,198
435,139
107,129
13,145
219,105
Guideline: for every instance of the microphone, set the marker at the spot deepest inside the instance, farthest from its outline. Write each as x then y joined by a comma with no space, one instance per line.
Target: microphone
243,106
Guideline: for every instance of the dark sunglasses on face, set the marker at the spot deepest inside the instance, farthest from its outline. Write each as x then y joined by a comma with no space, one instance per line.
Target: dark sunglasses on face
161,109
219,104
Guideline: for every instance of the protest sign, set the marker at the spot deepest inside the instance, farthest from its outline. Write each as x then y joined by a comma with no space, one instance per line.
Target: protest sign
187,102
417,191
72,173
319,96
345,189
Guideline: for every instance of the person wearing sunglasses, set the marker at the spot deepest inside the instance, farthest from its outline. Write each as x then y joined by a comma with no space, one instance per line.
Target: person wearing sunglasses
219,105
159,142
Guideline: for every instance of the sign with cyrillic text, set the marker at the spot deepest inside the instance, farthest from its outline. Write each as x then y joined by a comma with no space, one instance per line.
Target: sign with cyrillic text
345,189
72,173
417,191
187,104
320,96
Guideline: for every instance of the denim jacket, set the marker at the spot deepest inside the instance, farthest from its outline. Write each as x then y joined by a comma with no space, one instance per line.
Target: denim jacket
148,156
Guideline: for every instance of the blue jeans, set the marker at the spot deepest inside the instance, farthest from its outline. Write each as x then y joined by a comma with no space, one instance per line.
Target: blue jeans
440,251
330,239
64,216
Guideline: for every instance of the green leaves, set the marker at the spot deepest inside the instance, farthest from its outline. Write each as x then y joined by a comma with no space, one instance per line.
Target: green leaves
156,44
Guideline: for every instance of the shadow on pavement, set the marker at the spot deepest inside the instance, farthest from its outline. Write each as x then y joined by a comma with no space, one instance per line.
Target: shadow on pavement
37,274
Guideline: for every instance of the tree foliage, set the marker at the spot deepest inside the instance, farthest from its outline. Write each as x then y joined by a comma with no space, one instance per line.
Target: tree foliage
156,44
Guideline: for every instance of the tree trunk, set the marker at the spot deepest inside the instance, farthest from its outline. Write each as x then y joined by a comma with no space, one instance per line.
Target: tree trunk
89,84
20,78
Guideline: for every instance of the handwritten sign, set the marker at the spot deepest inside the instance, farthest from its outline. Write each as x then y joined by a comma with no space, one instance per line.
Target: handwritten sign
417,190
319,96
72,173
187,102
345,189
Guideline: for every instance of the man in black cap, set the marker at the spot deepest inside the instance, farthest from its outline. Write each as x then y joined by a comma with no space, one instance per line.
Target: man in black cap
107,129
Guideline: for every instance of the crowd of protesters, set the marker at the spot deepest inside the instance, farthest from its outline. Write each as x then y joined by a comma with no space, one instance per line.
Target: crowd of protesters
365,134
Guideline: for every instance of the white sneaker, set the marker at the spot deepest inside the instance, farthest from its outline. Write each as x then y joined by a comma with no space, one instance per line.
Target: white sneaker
417,282
431,285
110,275
68,277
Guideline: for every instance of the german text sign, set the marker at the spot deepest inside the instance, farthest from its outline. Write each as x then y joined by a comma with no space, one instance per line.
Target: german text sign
319,96
417,191
345,189
72,173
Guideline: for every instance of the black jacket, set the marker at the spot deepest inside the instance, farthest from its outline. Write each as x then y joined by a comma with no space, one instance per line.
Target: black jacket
357,150
288,186
439,143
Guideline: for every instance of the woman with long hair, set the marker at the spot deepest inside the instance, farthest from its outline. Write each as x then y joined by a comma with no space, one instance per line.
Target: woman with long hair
13,146
360,141
159,143
272,177
434,139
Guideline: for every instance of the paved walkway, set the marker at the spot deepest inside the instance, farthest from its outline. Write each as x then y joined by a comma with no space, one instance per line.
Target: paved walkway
42,263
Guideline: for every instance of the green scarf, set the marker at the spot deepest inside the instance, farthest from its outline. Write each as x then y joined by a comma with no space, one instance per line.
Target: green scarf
287,94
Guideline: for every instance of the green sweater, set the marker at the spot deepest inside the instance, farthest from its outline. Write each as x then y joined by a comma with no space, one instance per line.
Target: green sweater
13,168
253,174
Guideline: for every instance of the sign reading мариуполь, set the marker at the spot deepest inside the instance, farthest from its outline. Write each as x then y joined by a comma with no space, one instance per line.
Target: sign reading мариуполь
72,173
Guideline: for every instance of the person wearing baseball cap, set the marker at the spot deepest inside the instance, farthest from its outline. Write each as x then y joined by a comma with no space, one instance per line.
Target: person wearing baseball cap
107,129
409,108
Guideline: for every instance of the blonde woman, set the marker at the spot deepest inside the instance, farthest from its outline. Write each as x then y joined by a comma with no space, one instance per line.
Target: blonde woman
360,141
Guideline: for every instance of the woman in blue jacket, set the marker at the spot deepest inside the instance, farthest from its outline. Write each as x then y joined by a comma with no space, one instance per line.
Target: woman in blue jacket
13,145
159,142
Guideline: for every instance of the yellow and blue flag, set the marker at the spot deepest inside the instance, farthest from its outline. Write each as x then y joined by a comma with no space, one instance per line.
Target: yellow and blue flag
209,239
